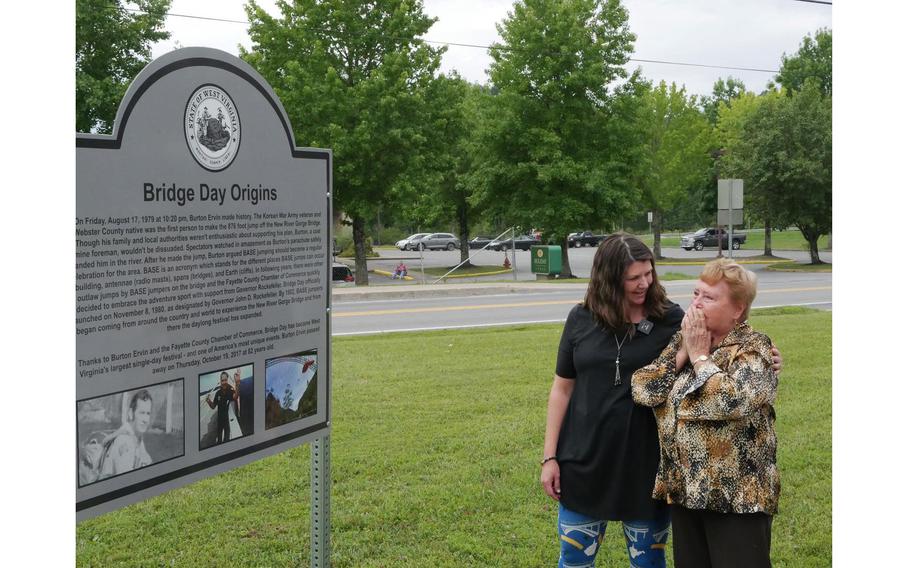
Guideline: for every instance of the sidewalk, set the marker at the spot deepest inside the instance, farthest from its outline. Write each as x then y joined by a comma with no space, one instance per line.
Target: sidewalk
360,293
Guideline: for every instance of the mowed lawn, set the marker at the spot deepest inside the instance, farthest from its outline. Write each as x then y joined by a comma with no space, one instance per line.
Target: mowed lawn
435,448
755,240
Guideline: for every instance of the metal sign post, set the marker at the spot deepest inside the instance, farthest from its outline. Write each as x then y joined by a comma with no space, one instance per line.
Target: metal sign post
729,205
423,276
514,266
320,488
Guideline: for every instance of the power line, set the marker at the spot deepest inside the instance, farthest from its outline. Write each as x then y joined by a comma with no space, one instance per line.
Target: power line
490,47
814,1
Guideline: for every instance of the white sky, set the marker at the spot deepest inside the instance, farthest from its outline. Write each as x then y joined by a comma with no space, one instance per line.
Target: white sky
735,33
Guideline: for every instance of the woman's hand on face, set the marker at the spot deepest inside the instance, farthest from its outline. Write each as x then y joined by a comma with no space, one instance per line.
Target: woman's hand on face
549,478
696,339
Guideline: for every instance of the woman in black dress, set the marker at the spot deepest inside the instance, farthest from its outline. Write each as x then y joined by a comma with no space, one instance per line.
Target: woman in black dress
600,449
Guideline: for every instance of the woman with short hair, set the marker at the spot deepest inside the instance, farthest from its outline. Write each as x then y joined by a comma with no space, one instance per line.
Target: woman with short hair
712,391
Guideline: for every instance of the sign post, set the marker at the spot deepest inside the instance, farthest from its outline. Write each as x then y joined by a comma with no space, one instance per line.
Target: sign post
729,207
203,300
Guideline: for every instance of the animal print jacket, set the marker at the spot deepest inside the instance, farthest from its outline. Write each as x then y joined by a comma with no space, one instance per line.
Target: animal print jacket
716,427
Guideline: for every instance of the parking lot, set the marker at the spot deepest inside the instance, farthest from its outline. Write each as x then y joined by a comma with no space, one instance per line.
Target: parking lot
580,261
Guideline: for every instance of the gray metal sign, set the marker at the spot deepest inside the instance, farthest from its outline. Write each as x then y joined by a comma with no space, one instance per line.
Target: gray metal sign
202,283
726,217
727,190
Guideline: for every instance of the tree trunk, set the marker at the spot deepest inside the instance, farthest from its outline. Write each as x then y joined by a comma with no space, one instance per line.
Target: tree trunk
656,227
768,237
361,278
566,269
813,252
463,230
812,236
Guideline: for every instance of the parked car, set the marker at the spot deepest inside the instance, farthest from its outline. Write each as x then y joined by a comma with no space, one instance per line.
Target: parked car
523,242
408,243
440,241
341,274
585,238
479,242
707,237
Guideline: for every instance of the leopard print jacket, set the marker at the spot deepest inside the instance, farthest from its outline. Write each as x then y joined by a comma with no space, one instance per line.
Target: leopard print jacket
716,427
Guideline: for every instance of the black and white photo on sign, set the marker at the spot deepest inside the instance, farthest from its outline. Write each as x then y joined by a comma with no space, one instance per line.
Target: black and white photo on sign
129,430
290,388
225,405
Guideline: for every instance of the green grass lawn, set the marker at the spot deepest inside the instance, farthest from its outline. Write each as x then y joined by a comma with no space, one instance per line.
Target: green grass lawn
461,271
800,267
755,240
435,448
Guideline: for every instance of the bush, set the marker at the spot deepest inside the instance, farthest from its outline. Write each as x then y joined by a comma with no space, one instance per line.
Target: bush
391,235
348,251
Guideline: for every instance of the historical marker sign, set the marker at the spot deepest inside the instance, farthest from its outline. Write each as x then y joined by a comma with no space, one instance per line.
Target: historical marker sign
202,283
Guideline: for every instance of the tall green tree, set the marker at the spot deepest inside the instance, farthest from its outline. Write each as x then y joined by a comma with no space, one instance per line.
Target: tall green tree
446,198
677,143
557,158
112,46
788,150
812,62
738,161
352,77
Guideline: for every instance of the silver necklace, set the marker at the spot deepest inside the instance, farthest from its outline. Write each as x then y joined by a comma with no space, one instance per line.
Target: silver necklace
618,381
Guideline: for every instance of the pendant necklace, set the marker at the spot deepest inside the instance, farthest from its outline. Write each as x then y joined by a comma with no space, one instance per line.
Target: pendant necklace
618,381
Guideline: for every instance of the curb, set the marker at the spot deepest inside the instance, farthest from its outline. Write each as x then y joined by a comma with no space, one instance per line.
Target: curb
340,295
385,273
480,274
775,269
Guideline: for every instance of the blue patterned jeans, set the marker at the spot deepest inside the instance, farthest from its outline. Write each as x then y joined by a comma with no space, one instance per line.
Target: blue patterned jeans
580,537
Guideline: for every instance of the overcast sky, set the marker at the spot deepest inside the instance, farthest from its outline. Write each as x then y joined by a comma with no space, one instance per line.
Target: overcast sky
734,33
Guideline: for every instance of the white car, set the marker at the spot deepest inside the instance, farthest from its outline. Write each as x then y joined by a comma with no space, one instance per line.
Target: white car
410,242
342,275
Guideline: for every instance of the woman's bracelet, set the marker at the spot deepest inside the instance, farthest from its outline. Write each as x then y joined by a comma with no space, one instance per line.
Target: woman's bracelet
546,459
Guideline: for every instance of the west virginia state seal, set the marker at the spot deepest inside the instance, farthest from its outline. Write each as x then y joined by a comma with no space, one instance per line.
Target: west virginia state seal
212,127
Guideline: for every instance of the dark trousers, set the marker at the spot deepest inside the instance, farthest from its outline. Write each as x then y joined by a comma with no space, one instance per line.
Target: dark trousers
224,431
707,539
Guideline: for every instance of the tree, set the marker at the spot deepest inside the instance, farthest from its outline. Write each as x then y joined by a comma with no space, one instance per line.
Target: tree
352,77
789,151
722,95
449,160
112,46
742,159
781,146
557,159
812,62
677,142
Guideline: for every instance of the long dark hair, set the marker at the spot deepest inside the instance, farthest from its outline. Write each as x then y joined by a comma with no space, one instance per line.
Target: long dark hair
605,298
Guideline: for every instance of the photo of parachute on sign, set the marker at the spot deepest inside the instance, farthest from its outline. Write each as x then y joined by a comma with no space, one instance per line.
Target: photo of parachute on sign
290,388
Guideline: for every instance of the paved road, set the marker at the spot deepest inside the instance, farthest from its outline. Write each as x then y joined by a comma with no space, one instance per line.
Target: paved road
419,307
